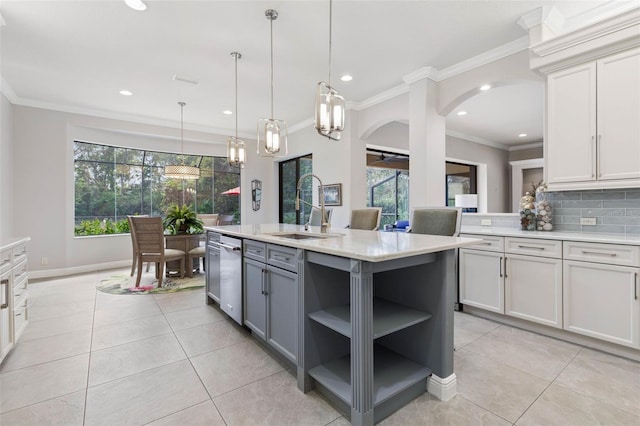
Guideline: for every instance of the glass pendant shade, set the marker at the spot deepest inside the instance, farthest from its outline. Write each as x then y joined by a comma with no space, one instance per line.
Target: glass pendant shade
272,137
236,152
272,133
181,171
329,119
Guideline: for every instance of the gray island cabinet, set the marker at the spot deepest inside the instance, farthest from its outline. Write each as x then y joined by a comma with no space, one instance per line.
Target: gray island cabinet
367,317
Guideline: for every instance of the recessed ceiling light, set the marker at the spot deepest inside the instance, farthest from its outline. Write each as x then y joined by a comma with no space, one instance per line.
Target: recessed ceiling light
136,5
462,112
522,135
485,87
227,112
346,77
126,92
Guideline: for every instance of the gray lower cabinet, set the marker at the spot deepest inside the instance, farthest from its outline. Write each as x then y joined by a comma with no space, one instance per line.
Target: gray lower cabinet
271,295
213,267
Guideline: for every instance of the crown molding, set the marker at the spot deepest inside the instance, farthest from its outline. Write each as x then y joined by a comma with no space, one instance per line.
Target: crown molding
309,122
475,139
598,13
549,16
611,25
525,146
422,73
381,97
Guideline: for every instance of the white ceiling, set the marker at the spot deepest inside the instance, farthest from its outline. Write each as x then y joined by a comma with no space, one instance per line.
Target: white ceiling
77,55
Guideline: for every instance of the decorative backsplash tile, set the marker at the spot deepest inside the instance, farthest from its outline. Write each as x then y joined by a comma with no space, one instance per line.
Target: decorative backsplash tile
616,211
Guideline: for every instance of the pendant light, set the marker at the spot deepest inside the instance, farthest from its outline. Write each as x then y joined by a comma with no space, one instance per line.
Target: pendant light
272,133
329,117
181,171
236,151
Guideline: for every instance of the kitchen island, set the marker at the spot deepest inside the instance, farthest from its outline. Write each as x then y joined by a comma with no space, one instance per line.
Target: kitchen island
370,314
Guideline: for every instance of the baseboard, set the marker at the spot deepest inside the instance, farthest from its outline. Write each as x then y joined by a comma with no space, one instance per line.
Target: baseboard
63,272
443,389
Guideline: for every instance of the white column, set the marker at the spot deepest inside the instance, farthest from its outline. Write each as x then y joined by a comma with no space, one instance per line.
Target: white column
426,144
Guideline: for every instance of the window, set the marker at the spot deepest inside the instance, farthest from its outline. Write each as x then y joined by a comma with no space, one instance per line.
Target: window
289,174
461,179
388,185
113,182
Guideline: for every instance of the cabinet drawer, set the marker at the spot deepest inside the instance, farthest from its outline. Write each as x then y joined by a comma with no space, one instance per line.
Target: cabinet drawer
5,260
20,272
20,291
533,246
282,257
255,250
489,242
613,254
20,318
19,253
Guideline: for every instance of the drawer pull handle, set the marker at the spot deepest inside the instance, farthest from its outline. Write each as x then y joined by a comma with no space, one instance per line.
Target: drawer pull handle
635,287
505,267
257,252
281,258
5,282
501,275
599,253
484,243
531,247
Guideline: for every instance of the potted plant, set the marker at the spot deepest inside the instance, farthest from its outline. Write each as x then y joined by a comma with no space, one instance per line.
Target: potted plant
182,220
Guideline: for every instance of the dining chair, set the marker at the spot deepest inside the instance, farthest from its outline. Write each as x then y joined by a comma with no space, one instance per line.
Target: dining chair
225,219
315,217
134,260
149,241
436,221
208,219
194,253
368,218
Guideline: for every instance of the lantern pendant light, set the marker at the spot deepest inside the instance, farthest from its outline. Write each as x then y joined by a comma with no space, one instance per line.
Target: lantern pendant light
272,133
329,117
181,171
236,151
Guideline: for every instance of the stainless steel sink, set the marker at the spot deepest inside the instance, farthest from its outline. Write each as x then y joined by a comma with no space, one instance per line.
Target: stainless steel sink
303,236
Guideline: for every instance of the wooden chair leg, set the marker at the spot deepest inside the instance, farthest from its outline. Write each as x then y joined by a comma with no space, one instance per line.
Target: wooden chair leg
189,267
182,267
161,269
139,272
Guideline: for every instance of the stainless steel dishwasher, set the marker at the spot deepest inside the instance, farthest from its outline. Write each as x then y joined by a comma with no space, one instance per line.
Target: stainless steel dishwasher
231,277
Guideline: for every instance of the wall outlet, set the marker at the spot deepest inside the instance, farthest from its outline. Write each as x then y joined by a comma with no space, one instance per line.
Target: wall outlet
587,221
44,261
486,222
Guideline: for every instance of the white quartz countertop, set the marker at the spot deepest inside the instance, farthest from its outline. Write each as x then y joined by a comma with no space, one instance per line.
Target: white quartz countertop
371,246
553,235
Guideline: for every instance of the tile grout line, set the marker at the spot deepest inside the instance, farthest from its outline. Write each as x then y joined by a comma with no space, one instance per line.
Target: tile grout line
86,389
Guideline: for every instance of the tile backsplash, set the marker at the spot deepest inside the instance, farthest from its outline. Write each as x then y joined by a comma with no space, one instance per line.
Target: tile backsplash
617,211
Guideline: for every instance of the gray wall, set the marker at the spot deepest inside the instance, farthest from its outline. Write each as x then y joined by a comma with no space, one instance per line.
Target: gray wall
6,169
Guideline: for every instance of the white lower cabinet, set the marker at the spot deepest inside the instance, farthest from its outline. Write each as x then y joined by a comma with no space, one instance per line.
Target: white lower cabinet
482,279
533,289
601,291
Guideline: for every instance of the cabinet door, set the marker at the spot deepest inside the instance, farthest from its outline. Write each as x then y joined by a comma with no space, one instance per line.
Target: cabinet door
255,303
6,314
282,311
533,289
569,148
601,301
481,279
619,116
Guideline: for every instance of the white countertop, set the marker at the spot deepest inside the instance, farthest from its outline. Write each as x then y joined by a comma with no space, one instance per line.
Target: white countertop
371,246
554,235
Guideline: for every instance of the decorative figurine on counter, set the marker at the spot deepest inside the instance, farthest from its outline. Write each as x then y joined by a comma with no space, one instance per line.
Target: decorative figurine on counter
543,208
527,212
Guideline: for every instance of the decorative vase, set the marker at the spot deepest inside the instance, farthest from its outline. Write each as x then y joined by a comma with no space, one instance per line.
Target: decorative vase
527,212
544,220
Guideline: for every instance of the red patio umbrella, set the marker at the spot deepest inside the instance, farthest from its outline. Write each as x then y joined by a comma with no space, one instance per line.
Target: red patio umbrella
232,191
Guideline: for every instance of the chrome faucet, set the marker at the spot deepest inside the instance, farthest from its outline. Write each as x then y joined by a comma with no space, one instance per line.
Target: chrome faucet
323,223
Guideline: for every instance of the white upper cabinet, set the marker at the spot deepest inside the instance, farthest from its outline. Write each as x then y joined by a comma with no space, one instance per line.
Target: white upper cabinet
593,124
619,116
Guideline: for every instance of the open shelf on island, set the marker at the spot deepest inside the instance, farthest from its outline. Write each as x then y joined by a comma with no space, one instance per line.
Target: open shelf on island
392,374
388,317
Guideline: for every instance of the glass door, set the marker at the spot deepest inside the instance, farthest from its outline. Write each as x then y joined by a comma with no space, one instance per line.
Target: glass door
289,174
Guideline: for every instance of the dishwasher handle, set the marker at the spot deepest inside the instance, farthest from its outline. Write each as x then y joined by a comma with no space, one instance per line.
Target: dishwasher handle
234,248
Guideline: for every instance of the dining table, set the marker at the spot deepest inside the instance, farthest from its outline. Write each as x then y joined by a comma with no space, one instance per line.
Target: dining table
184,242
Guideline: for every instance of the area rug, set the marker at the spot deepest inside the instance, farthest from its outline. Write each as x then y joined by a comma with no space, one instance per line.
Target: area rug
124,284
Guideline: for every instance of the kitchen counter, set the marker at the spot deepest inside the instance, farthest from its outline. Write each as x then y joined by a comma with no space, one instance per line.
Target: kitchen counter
357,296
350,243
554,235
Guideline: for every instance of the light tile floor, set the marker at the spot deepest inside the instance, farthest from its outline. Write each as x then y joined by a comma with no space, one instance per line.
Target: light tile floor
93,358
